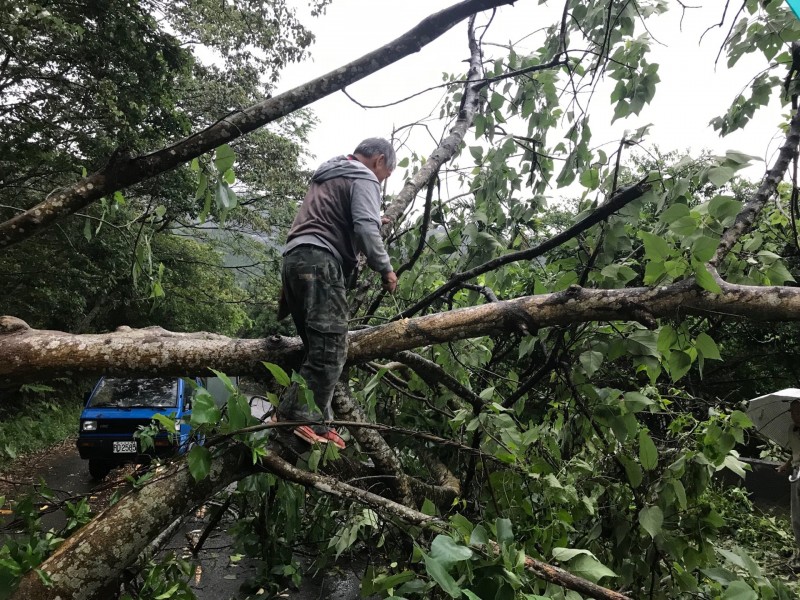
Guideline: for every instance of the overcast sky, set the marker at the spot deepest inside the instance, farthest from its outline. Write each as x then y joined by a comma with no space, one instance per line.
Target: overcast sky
691,92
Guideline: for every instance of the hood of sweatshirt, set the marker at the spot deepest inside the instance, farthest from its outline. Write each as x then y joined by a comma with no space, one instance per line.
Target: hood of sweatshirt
341,166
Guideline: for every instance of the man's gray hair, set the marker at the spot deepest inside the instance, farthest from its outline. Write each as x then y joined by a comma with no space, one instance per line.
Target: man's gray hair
373,146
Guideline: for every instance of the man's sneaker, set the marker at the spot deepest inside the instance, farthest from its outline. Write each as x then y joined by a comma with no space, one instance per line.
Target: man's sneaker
306,433
334,438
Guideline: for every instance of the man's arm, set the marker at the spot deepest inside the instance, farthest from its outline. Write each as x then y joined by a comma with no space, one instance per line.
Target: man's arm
365,207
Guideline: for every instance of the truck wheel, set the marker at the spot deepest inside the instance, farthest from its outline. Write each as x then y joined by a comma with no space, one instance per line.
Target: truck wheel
98,469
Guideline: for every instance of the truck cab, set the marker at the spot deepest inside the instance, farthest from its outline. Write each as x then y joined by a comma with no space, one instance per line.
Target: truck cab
119,407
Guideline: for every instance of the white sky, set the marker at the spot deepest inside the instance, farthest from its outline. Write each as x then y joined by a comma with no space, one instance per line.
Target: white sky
691,91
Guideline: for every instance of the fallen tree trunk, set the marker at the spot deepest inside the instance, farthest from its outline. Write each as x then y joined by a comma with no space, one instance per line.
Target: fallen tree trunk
85,564
28,354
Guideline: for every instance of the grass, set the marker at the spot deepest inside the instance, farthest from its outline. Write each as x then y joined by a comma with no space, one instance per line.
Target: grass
38,424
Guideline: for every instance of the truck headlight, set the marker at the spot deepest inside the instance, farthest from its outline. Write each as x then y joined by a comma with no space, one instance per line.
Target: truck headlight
89,426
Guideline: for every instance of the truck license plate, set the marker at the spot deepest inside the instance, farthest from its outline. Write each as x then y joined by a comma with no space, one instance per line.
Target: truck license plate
124,447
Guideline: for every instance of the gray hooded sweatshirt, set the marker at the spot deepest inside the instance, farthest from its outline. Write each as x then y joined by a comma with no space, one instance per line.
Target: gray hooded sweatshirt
341,213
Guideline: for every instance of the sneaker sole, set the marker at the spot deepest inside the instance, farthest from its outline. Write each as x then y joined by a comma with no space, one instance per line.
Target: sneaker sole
312,438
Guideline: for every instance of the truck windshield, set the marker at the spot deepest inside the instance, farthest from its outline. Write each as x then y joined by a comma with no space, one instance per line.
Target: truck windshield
129,393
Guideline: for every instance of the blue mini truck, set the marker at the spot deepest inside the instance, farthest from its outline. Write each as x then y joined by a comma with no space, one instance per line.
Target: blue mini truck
118,407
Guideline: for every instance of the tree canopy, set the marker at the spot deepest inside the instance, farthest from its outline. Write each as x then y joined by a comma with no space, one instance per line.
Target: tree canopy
543,409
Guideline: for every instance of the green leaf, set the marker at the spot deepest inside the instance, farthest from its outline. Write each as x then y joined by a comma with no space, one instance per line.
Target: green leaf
706,346
479,536
314,458
633,471
372,584
778,274
238,412
279,374
445,550
566,554
439,574
719,176
590,568
667,339
636,401
704,279
648,453
655,247
653,272
724,207
204,410
403,163
651,519
735,465
680,492
224,157
741,559
496,101
679,364
505,533
225,196
199,462
674,212
741,158
703,248
590,178
739,590
165,421
591,361
226,381
684,226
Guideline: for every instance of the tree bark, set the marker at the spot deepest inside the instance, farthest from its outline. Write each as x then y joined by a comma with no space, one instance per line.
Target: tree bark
122,172
383,456
97,554
449,145
29,354
750,211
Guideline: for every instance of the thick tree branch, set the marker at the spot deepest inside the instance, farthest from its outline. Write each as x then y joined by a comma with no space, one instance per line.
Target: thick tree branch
98,553
382,455
328,485
450,145
616,202
747,217
434,375
27,354
123,172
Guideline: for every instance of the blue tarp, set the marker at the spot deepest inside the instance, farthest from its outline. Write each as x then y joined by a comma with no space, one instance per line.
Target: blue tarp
795,6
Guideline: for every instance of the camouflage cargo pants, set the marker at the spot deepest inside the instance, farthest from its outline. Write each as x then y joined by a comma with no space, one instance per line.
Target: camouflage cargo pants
315,292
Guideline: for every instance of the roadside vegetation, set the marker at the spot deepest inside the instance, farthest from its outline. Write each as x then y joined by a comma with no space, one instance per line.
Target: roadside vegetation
38,417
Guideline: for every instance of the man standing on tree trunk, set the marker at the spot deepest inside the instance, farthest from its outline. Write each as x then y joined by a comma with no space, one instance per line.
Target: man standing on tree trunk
339,217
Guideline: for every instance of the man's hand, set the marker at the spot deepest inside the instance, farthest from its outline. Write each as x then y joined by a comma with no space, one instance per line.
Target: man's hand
784,468
390,282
